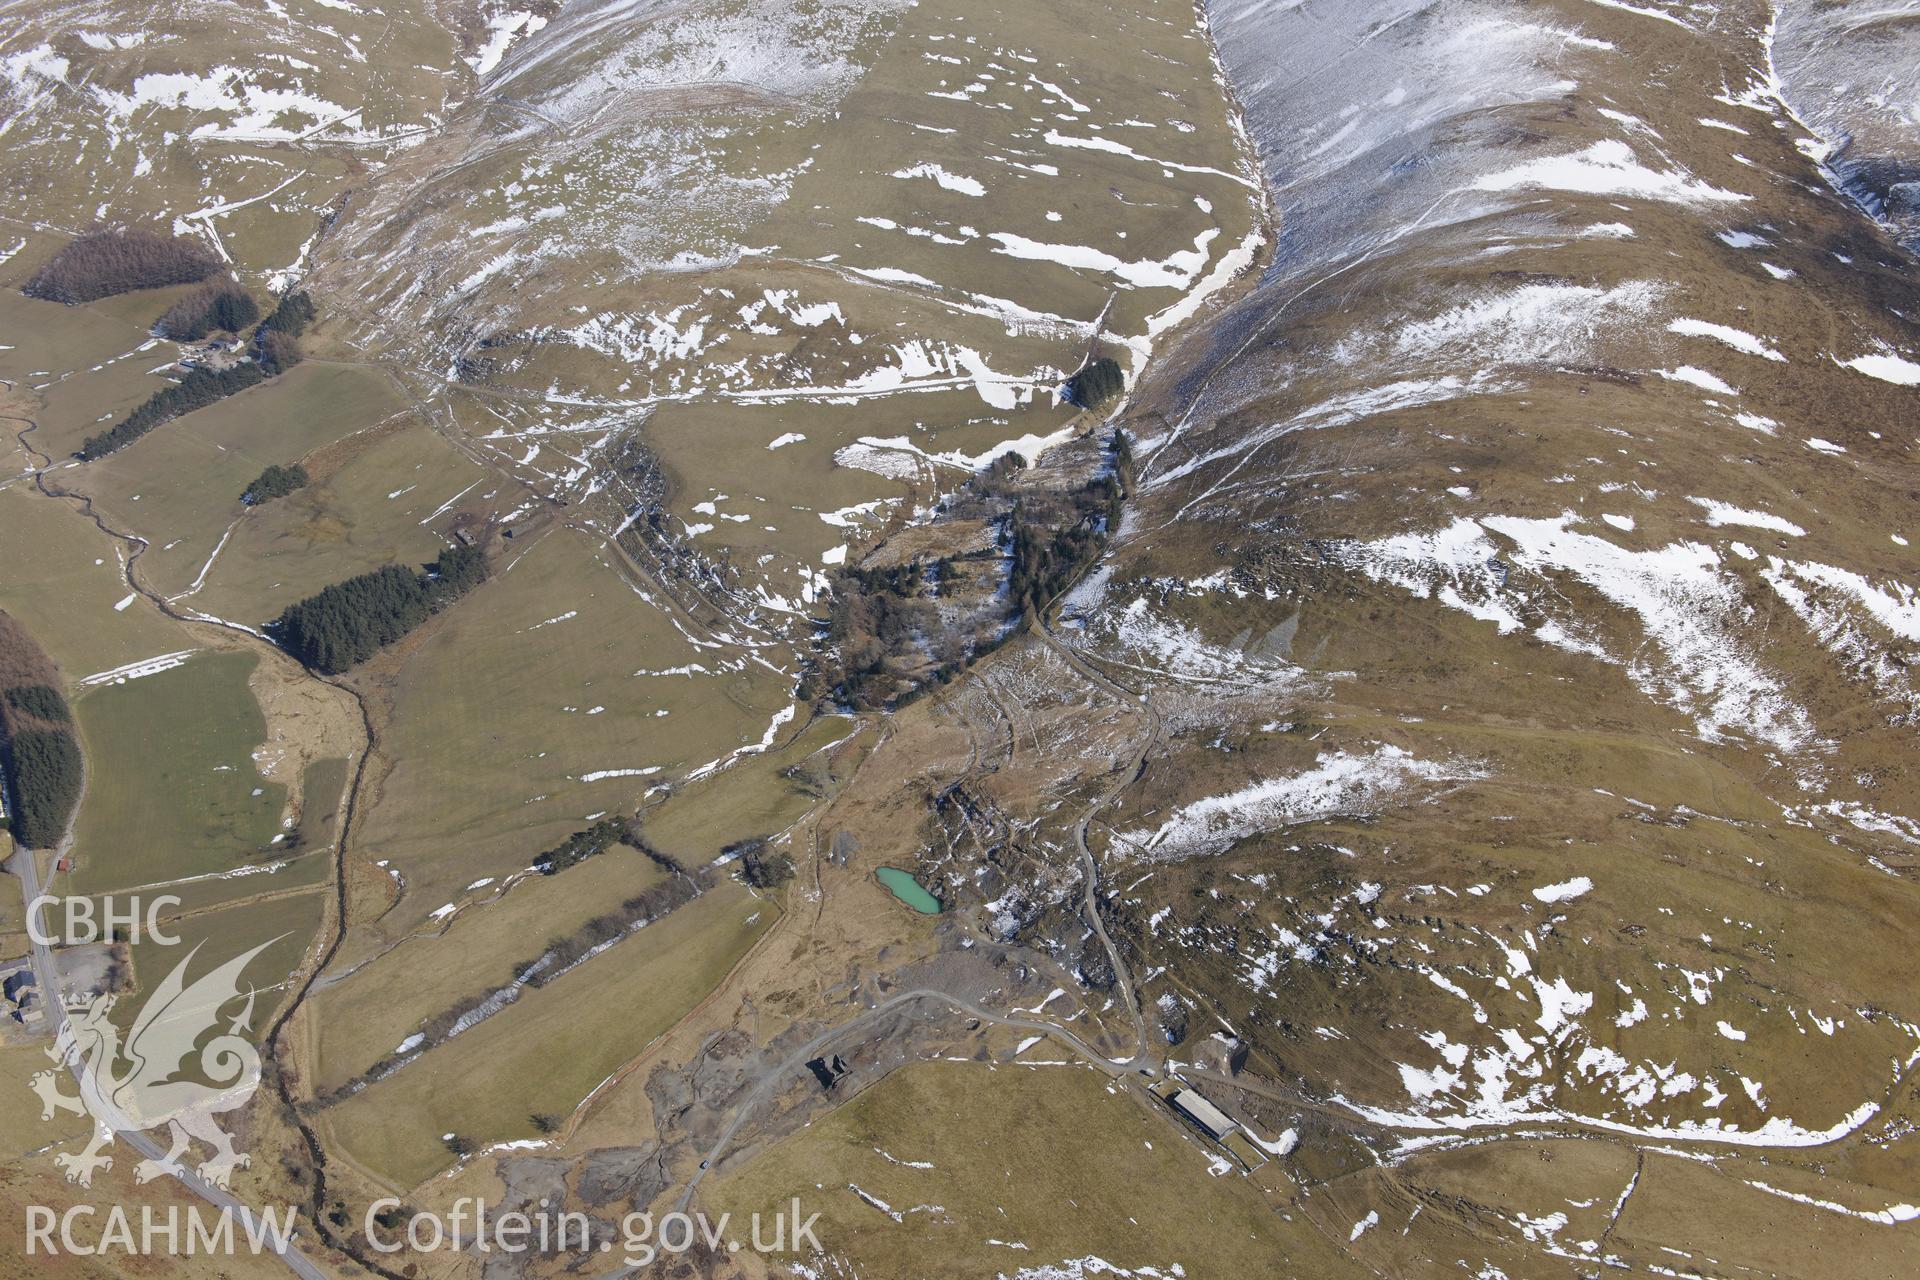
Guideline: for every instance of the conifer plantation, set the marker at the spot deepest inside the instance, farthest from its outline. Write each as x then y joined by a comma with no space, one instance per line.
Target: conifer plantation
345,624
41,761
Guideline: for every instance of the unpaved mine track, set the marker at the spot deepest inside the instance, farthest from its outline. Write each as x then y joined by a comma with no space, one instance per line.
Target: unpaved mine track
774,1076
1145,1060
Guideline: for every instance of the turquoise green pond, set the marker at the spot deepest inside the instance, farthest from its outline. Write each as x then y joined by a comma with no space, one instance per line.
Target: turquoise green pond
910,891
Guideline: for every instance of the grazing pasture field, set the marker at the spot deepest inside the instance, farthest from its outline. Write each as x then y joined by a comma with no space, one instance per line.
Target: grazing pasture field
179,486
367,1014
551,692
303,872
70,590
21,1128
87,365
545,1052
756,797
13,911
172,787
380,497
286,924
322,787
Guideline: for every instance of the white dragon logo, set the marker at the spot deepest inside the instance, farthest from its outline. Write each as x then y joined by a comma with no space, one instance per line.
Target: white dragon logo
140,1085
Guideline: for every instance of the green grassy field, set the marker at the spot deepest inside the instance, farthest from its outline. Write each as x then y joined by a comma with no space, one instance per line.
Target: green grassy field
515,718
304,872
382,504
753,798
21,1128
322,787
85,363
365,1017
13,910
172,790
546,1051
179,486
287,924
66,591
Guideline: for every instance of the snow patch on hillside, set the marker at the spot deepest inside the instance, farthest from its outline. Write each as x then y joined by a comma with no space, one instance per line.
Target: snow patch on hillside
1340,784
1695,614
1607,168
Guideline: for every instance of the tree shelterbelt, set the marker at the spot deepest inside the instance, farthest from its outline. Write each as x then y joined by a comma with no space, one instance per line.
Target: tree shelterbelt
275,350
348,622
197,390
275,482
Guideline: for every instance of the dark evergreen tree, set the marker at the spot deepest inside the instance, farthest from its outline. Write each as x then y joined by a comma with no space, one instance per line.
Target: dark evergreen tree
42,700
348,622
581,845
291,317
1096,384
275,482
274,344
198,389
44,769
222,307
